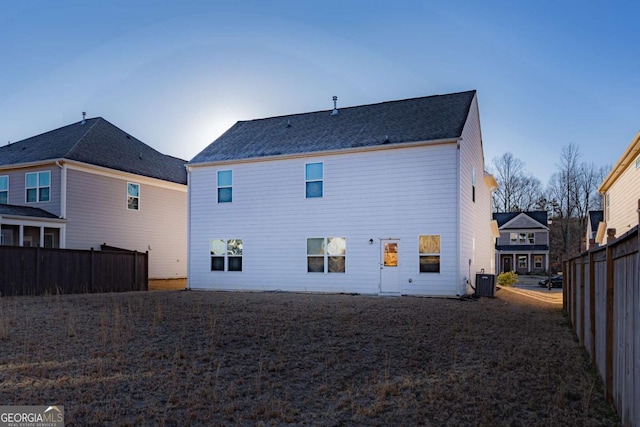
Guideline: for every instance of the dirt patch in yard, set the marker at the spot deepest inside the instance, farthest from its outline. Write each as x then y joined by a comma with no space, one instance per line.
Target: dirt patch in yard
212,358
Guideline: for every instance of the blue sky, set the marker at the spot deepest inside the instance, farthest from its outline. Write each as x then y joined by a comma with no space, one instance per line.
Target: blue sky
177,74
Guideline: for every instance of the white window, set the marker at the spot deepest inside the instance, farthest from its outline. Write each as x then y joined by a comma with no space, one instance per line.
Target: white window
326,255
313,177
522,238
38,186
537,261
4,189
225,189
522,261
133,196
473,184
429,252
226,254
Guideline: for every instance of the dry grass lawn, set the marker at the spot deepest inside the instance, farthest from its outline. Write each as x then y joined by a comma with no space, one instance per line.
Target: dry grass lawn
209,358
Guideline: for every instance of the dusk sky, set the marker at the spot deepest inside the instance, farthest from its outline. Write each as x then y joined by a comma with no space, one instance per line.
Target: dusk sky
177,74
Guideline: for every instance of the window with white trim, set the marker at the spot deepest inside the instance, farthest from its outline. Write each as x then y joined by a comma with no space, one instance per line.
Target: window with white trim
522,261
522,238
226,254
429,252
473,184
537,261
326,255
38,186
4,189
225,186
313,178
133,196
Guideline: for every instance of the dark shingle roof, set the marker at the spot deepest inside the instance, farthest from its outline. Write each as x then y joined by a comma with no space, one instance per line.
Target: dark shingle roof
25,211
595,217
504,217
99,143
410,120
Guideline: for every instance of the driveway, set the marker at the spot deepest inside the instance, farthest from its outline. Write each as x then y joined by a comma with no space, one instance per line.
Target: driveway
528,286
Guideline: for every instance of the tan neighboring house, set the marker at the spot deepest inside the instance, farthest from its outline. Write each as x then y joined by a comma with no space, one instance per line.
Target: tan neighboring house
89,184
621,195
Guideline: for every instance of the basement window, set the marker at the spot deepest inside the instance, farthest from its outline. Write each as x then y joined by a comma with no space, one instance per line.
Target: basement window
429,250
226,254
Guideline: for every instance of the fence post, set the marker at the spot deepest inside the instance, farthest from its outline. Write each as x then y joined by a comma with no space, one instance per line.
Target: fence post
609,325
37,284
91,273
135,271
592,306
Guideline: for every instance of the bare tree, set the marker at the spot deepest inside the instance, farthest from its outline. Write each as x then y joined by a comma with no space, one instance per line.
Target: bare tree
517,190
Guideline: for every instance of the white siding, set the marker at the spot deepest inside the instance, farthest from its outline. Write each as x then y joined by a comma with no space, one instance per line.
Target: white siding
395,193
623,195
476,242
97,213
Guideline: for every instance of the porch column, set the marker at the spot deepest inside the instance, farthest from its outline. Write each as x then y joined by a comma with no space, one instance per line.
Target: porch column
62,236
20,235
41,237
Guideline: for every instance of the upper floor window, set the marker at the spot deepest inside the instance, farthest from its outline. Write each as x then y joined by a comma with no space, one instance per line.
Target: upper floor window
4,189
313,176
522,238
429,249
225,189
473,184
38,186
133,196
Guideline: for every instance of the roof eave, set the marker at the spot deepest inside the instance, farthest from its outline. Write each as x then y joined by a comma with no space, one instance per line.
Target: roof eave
629,155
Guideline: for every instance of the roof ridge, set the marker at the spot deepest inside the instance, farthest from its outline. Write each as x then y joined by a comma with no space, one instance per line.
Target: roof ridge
97,119
393,101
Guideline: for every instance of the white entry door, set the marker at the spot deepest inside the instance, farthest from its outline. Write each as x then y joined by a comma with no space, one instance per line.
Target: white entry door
389,270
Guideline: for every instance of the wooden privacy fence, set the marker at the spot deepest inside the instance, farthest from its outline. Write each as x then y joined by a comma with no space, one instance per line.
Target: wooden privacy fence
38,271
602,299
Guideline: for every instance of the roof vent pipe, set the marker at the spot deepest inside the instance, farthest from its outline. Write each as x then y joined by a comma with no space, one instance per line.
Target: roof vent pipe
84,115
335,108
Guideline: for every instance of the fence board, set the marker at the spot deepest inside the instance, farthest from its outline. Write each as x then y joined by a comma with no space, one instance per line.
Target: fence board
603,302
37,271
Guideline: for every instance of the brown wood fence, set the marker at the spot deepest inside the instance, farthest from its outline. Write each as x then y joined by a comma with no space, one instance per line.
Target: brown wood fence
602,299
39,271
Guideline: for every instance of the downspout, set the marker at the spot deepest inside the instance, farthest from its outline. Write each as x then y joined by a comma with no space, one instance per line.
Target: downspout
188,227
460,291
63,203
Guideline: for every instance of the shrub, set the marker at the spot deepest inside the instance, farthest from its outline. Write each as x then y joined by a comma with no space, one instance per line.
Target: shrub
507,278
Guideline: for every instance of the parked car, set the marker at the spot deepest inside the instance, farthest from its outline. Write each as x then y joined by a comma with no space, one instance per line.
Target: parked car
556,282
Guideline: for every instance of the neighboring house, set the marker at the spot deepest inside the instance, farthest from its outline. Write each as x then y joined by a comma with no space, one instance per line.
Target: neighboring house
593,221
621,195
523,245
91,183
387,198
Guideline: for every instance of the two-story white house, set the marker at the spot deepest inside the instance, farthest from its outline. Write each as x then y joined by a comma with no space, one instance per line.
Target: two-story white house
388,198
621,193
90,183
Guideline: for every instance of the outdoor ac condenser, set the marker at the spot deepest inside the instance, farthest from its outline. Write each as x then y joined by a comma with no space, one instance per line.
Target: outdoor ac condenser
485,285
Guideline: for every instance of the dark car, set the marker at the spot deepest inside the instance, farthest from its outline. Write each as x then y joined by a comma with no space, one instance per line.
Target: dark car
556,282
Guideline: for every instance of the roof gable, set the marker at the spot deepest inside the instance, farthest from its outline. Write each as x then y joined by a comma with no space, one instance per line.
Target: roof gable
411,120
521,220
96,142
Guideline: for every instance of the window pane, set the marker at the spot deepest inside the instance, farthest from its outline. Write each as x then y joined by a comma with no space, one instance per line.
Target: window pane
429,244
133,190
4,183
313,171
315,264
225,195
522,261
217,263
132,203
336,264
224,178
430,264
314,189
31,195
218,247
3,197
44,178
336,246
390,254
44,194
531,238
234,247
235,263
32,180
315,246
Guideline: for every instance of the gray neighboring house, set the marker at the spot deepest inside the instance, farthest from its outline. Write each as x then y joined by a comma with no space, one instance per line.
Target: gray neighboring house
91,183
523,245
